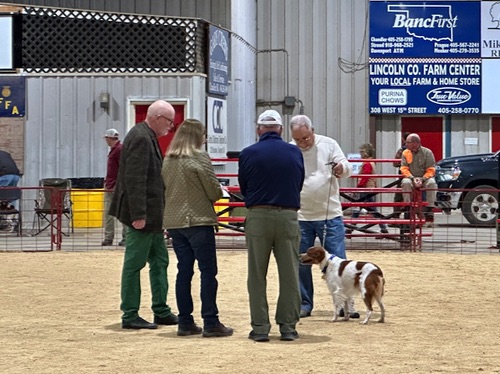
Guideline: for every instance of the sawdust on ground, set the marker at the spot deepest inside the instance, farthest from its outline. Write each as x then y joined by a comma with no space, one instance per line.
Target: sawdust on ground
60,314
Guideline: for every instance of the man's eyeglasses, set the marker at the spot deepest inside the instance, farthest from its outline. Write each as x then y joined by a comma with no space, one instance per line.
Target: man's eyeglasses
168,119
306,139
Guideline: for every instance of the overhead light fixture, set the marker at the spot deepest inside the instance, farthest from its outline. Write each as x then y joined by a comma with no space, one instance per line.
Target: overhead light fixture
104,100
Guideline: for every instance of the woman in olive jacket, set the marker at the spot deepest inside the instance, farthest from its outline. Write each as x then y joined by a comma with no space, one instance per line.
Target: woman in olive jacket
191,188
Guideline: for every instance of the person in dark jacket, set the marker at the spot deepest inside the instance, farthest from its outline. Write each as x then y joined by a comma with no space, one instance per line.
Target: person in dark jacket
9,176
138,202
9,172
112,138
271,174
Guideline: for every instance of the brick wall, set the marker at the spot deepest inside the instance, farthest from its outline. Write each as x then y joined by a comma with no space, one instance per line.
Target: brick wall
12,139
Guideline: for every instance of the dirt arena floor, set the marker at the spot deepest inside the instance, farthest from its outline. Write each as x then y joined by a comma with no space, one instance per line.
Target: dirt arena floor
60,314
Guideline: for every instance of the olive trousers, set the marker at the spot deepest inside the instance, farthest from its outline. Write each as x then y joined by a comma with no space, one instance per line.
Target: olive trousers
276,231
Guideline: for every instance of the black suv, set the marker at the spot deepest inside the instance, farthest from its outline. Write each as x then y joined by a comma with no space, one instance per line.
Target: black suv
478,172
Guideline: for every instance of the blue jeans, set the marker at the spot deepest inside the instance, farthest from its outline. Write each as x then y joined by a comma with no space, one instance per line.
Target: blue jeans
190,244
334,244
10,180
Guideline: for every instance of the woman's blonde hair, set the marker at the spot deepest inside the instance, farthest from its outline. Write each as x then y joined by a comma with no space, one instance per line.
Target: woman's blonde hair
368,149
188,139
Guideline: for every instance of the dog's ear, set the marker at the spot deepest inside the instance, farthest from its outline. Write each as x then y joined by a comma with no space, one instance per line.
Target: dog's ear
318,253
314,249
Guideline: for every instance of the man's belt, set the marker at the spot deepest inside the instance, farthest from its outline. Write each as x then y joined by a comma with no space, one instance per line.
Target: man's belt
275,207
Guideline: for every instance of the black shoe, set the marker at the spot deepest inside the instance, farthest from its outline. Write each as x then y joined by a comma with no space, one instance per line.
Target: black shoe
351,315
384,231
289,336
258,337
304,313
189,330
122,243
171,319
348,231
217,331
139,323
107,242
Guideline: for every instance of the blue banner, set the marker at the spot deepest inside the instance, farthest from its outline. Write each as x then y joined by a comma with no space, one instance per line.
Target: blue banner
425,29
425,86
12,96
219,61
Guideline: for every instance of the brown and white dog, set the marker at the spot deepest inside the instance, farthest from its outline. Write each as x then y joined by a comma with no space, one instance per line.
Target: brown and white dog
345,278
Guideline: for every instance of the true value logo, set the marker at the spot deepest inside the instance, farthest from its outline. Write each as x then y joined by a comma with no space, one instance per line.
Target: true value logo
448,95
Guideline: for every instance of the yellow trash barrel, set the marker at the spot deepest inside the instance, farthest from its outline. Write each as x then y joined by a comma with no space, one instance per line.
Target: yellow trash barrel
220,208
88,207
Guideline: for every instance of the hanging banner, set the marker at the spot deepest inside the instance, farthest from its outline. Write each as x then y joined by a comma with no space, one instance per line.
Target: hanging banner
425,29
219,61
434,57
12,96
216,127
425,86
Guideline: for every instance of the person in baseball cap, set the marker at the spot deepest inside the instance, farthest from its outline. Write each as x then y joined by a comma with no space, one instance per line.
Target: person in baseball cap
112,133
270,175
269,118
112,138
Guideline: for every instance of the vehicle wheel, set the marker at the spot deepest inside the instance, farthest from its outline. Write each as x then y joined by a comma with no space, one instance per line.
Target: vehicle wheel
480,207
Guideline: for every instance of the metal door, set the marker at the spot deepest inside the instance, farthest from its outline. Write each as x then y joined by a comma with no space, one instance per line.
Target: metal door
430,130
140,115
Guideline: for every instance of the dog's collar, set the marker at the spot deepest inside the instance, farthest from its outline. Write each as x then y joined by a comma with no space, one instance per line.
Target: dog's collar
326,265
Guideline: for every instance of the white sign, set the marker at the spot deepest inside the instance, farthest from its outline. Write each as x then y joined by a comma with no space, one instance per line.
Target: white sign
6,42
216,127
356,166
490,29
392,97
489,87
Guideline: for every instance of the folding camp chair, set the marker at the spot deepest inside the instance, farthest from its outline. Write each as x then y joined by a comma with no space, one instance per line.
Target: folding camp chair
10,216
53,204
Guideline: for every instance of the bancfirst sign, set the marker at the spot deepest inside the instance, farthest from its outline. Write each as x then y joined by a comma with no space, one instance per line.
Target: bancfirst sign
434,57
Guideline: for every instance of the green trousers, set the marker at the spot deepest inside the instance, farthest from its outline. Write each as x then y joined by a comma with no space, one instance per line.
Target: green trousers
277,231
142,247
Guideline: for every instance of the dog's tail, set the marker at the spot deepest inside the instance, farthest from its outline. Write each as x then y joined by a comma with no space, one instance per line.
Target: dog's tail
382,284
380,301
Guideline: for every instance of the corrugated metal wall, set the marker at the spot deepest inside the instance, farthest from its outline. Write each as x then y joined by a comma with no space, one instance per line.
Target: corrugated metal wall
309,49
64,122
454,133
315,35
66,125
